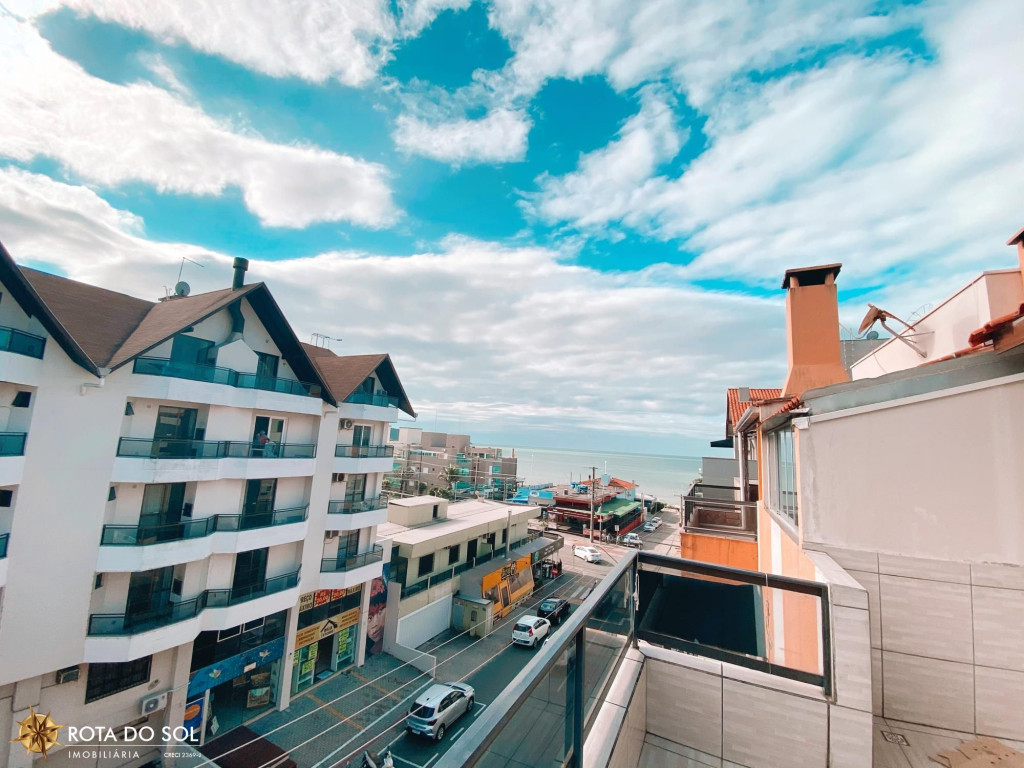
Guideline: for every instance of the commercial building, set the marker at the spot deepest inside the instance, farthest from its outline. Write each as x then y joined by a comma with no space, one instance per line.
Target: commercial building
611,503
449,463
179,506
441,557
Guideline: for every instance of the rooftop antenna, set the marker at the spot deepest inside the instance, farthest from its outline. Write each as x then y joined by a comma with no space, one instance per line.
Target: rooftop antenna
323,340
876,314
190,261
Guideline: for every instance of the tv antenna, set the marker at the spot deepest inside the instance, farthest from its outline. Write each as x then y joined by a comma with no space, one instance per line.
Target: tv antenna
323,340
876,314
190,261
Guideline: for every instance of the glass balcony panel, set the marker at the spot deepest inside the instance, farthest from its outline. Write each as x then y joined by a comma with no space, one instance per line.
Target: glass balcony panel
183,448
335,564
364,451
606,639
4,538
373,398
186,528
158,366
12,443
22,343
351,507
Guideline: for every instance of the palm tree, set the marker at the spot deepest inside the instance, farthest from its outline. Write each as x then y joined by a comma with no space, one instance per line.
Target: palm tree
450,476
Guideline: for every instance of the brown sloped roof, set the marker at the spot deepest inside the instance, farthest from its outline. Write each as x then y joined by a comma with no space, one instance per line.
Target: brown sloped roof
734,407
167,318
98,319
344,373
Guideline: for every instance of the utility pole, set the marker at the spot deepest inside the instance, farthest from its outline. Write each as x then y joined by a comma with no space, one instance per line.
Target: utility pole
593,482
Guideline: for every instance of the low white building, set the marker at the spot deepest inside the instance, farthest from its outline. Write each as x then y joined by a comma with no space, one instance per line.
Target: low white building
180,500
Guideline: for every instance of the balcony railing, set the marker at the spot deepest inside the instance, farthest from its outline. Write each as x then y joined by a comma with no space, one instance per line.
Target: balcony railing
544,715
364,451
714,509
183,448
145,534
4,538
106,624
352,507
12,443
351,562
21,343
373,398
214,374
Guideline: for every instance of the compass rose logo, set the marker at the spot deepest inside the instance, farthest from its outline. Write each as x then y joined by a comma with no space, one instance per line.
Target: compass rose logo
37,733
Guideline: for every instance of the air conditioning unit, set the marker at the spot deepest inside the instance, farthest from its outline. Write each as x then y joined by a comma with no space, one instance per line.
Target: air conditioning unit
346,423
338,477
67,675
152,704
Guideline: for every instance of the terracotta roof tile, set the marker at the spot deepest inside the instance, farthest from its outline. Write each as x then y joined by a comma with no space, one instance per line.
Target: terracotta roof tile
735,407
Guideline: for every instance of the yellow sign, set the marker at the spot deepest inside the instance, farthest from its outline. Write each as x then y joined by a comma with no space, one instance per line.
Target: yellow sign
38,733
508,585
330,626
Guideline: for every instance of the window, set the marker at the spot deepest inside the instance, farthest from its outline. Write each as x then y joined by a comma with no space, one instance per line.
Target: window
108,679
98,581
782,491
22,399
129,409
426,565
111,494
6,498
266,365
435,511
453,554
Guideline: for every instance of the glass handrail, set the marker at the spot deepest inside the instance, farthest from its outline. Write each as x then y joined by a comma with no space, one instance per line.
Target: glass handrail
352,506
348,563
382,399
184,448
12,443
364,451
21,343
187,528
215,374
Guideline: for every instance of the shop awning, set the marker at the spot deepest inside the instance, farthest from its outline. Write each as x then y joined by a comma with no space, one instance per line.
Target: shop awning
619,507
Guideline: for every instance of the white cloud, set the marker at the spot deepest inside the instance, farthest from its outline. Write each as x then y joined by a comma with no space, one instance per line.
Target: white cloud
514,337
111,134
884,163
497,137
416,15
316,41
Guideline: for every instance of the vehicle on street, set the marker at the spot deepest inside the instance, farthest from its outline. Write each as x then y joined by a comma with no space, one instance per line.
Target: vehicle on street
653,524
530,630
437,708
632,540
590,554
554,610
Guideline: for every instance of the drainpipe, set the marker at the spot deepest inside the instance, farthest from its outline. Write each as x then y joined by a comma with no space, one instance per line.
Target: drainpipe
95,384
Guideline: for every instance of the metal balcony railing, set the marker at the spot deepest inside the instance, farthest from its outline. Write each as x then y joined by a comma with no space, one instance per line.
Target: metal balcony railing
4,538
12,443
214,374
352,506
544,715
373,398
107,624
21,343
364,451
183,448
350,562
714,509
145,533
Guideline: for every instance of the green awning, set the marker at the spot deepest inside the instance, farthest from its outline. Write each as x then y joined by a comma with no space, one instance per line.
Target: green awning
619,507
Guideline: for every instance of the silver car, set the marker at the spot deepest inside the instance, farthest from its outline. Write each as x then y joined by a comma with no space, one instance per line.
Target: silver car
437,708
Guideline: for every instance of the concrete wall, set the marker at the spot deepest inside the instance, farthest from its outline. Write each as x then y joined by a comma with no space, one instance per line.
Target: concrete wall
417,627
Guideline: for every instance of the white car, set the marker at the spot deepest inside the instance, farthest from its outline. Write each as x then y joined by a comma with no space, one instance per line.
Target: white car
590,554
437,708
530,630
653,524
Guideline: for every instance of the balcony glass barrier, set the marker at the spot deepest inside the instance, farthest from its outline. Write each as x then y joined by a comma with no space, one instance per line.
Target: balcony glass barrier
160,366
350,562
145,533
21,343
12,443
364,451
715,509
4,538
351,507
172,612
373,398
182,448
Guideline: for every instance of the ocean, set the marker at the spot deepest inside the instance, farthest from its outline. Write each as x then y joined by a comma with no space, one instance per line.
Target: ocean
663,476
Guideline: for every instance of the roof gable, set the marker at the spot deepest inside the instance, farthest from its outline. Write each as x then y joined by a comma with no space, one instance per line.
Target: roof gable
344,373
735,407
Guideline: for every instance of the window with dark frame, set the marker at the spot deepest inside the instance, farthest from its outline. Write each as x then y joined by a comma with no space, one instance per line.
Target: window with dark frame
22,399
6,498
426,565
453,554
107,679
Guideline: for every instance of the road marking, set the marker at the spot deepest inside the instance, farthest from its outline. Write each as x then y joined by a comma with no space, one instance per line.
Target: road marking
403,760
478,709
456,734
430,761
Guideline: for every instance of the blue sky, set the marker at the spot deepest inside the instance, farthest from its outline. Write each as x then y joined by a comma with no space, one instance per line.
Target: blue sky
565,219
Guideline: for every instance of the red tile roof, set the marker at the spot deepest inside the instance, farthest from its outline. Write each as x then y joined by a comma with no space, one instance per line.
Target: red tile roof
993,327
617,483
734,407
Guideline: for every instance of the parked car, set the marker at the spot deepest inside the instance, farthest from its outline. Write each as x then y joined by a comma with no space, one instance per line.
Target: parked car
590,554
554,610
437,708
632,540
653,524
530,630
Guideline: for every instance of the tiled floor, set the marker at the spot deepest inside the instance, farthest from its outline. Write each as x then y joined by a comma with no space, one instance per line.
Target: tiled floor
921,741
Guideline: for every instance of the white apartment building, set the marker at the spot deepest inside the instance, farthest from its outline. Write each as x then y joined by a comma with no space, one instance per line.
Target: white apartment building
187,499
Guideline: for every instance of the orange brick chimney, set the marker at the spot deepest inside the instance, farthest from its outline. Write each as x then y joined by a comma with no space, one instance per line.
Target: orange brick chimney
812,329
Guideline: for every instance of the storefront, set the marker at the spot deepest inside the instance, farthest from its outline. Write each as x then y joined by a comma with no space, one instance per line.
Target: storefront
235,674
328,632
508,585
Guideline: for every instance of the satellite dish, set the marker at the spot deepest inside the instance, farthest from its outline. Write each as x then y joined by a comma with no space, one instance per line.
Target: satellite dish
874,314
872,336
182,288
